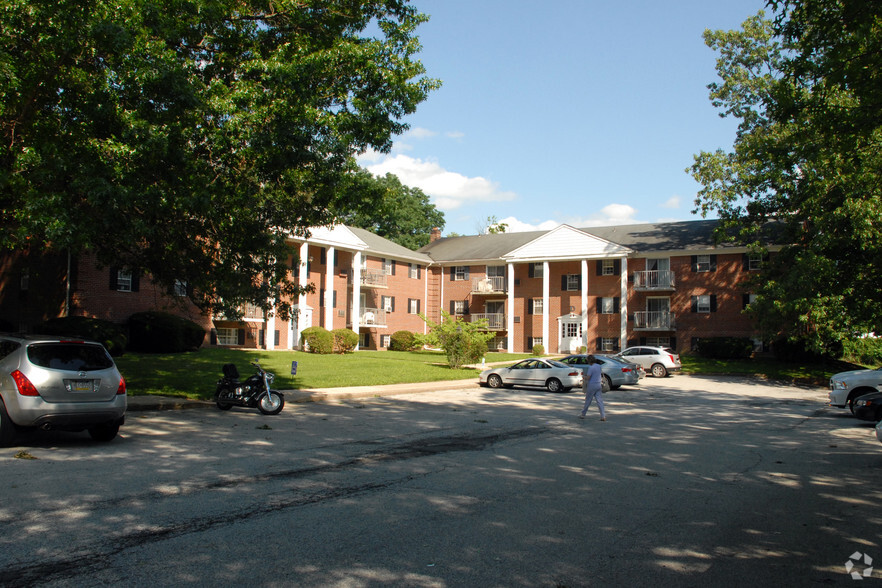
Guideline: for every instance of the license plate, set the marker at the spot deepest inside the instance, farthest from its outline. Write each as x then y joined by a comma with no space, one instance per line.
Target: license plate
80,385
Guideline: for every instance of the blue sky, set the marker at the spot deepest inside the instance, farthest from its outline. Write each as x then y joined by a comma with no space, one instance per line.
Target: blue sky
563,111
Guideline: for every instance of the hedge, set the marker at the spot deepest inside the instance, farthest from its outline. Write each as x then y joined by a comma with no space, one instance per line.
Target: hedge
162,332
318,340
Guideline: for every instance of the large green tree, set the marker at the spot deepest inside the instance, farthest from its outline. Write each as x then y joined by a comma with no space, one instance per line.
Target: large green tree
186,138
807,159
386,207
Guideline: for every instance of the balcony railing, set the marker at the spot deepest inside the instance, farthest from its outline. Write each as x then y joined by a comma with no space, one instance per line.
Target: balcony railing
654,280
373,317
373,278
495,320
656,320
490,285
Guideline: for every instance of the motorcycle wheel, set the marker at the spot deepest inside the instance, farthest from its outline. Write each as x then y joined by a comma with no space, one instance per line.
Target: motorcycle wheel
222,405
271,402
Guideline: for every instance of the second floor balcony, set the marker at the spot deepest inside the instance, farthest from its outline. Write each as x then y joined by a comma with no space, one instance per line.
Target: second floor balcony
489,285
654,320
654,280
373,278
495,320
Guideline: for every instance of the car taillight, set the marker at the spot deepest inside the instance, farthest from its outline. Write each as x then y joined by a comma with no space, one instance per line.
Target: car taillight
626,370
122,386
25,387
576,373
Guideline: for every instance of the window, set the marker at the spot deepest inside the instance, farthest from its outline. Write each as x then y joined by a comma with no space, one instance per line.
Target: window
413,305
571,330
754,262
227,336
385,340
571,282
537,306
701,303
608,267
414,271
460,273
387,267
460,307
364,340
537,270
123,280
660,341
388,303
534,341
748,300
609,344
607,305
704,263
180,288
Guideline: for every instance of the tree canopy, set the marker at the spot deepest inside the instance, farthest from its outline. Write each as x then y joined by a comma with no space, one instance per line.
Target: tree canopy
807,157
186,139
386,207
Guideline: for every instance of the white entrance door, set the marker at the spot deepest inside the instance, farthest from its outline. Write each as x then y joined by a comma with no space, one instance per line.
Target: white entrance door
302,319
570,334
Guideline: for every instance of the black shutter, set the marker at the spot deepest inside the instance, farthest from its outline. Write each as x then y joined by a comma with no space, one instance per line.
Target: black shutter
213,336
321,297
745,261
713,263
393,303
452,273
616,346
466,309
599,305
643,340
616,306
241,337
745,301
419,271
324,256
334,301
529,306
136,281
579,282
713,302
276,337
467,273
599,344
114,272
694,261
393,267
599,267
695,304
531,270
563,283
418,305
674,343
617,267
452,307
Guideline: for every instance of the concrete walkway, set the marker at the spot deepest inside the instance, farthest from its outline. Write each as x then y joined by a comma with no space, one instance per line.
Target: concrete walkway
151,402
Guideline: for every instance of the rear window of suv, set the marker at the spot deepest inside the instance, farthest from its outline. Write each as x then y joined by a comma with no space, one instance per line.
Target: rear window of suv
78,357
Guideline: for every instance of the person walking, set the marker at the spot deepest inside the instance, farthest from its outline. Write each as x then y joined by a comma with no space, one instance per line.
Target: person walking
592,386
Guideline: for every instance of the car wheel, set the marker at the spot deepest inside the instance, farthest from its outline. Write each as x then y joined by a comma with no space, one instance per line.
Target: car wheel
659,371
605,384
554,385
8,429
104,432
494,381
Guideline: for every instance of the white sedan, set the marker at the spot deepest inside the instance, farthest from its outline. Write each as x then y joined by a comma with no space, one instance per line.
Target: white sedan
535,373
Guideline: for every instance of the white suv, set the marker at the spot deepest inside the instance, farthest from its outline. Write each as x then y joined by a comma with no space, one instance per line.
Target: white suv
845,387
659,361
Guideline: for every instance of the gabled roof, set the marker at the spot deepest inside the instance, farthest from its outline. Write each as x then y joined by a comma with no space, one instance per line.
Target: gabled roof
565,242
382,247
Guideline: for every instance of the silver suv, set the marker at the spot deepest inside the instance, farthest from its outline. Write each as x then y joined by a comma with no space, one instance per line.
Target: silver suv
58,383
659,361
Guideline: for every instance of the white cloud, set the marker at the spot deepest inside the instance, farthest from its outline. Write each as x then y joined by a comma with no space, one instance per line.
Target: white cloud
612,214
454,135
448,190
419,133
672,202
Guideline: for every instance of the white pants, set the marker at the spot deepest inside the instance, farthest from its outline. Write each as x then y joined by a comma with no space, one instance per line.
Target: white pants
589,397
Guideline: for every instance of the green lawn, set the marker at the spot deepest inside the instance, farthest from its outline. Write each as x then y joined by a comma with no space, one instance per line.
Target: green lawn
194,375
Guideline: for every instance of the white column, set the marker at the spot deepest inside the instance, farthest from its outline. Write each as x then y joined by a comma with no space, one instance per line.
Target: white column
623,306
511,300
585,303
356,294
302,281
546,340
329,289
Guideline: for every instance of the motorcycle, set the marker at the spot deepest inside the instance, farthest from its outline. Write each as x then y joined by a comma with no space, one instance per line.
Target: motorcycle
255,391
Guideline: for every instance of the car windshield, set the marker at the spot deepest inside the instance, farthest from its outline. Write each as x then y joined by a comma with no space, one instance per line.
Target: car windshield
77,357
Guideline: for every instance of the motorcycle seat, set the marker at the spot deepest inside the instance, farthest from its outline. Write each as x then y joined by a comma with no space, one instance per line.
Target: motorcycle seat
230,371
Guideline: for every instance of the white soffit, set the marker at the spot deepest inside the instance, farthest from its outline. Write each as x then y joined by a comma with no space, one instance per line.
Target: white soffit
565,242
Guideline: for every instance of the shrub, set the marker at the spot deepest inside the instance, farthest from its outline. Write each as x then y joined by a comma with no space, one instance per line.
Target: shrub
111,335
864,351
800,351
538,350
403,341
464,342
162,332
318,340
725,347
345,340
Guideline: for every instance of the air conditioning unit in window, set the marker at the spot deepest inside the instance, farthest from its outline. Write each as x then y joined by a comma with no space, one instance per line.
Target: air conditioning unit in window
341,313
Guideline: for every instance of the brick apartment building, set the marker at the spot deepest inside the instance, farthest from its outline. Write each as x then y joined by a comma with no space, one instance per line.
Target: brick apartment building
601,287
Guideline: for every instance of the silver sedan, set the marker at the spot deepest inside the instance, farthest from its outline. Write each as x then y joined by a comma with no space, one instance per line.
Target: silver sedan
534,373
